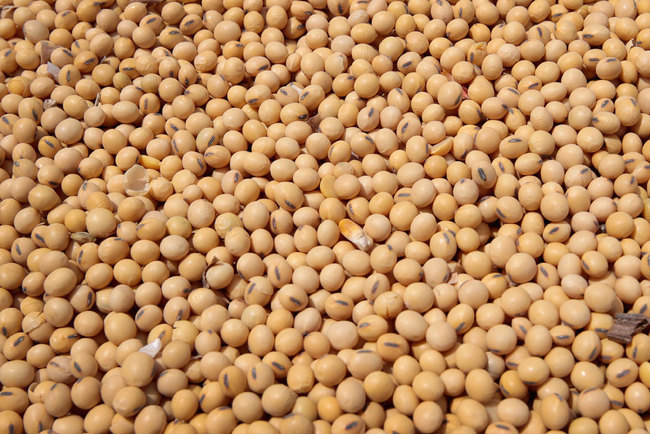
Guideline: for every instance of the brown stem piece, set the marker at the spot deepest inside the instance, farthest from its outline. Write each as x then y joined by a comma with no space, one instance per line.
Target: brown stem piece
626,325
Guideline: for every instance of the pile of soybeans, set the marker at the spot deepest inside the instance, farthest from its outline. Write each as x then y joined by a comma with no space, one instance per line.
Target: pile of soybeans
324,216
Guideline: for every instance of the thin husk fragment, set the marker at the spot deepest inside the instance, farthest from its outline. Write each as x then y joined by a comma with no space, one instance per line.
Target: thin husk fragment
136,181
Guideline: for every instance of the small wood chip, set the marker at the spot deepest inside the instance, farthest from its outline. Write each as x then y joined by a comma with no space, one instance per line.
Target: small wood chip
46,52
314,123
626,325
82,237
7,11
